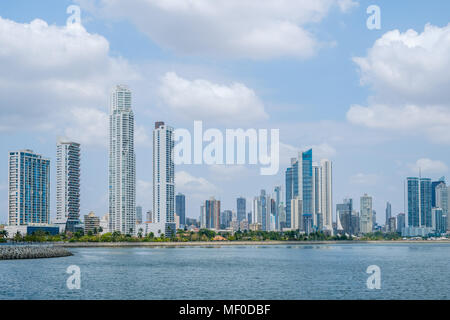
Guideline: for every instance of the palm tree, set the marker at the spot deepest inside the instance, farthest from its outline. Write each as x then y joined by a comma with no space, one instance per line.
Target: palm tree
18,237
3,233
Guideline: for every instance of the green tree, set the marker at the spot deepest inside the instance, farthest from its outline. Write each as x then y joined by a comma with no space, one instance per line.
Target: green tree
18,237
3,234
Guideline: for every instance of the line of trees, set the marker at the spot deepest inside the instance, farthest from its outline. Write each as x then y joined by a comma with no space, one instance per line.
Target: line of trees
186,236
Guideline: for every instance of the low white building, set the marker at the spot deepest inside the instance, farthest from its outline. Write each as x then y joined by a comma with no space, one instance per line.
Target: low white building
146,228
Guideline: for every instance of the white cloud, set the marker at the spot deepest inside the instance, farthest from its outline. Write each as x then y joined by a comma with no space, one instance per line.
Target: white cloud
410,75
88,126
200,100
232,28
187,183
429,166
434,121
367,179
409,67
54,77
347,5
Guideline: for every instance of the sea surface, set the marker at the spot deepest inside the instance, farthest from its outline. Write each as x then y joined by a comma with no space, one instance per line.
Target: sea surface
338,271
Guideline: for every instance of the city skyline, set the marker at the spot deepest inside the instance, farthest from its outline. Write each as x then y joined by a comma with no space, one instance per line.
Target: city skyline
320,100
64,149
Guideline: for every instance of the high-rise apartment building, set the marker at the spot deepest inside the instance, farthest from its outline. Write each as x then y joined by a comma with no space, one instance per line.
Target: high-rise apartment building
413,202
91,223
241,204
388,213
326,193
299,182
68,184
164,178
139,215
419,202
434,185
122,163
317,193
262,210
277,198
29,188
180,207
441,197
366,214
212,213
425,202
401,222
296,214
344,212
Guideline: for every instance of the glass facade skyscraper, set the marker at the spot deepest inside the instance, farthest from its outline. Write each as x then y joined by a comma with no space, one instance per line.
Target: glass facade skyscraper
434,185
289,195
180,207
299,182
212,213
29,188
413,201
419,202
425,202
241,208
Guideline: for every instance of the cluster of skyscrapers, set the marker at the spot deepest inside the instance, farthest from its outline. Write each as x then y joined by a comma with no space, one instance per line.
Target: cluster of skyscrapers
427,206
307,205
29,178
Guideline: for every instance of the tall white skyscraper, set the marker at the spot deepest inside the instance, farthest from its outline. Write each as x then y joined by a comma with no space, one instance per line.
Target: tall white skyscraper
317,195
326,190
164,178
68,184
122,163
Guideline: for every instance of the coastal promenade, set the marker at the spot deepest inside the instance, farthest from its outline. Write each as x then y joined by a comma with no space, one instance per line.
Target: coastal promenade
232,243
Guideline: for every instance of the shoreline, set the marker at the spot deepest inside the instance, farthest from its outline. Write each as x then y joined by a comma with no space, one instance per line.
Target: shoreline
233,243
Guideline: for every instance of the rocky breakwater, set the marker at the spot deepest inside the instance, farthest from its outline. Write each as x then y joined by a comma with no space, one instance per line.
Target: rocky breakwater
8,252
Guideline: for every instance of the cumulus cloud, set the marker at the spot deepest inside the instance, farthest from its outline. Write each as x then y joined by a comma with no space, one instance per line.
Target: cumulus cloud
56,78
201,99
144,193
232,28
429,166
185,182
88,126
410,75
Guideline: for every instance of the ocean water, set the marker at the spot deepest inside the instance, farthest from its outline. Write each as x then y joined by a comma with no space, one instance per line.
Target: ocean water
408,271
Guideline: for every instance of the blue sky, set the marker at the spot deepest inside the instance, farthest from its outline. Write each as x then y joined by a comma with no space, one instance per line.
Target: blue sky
378,118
